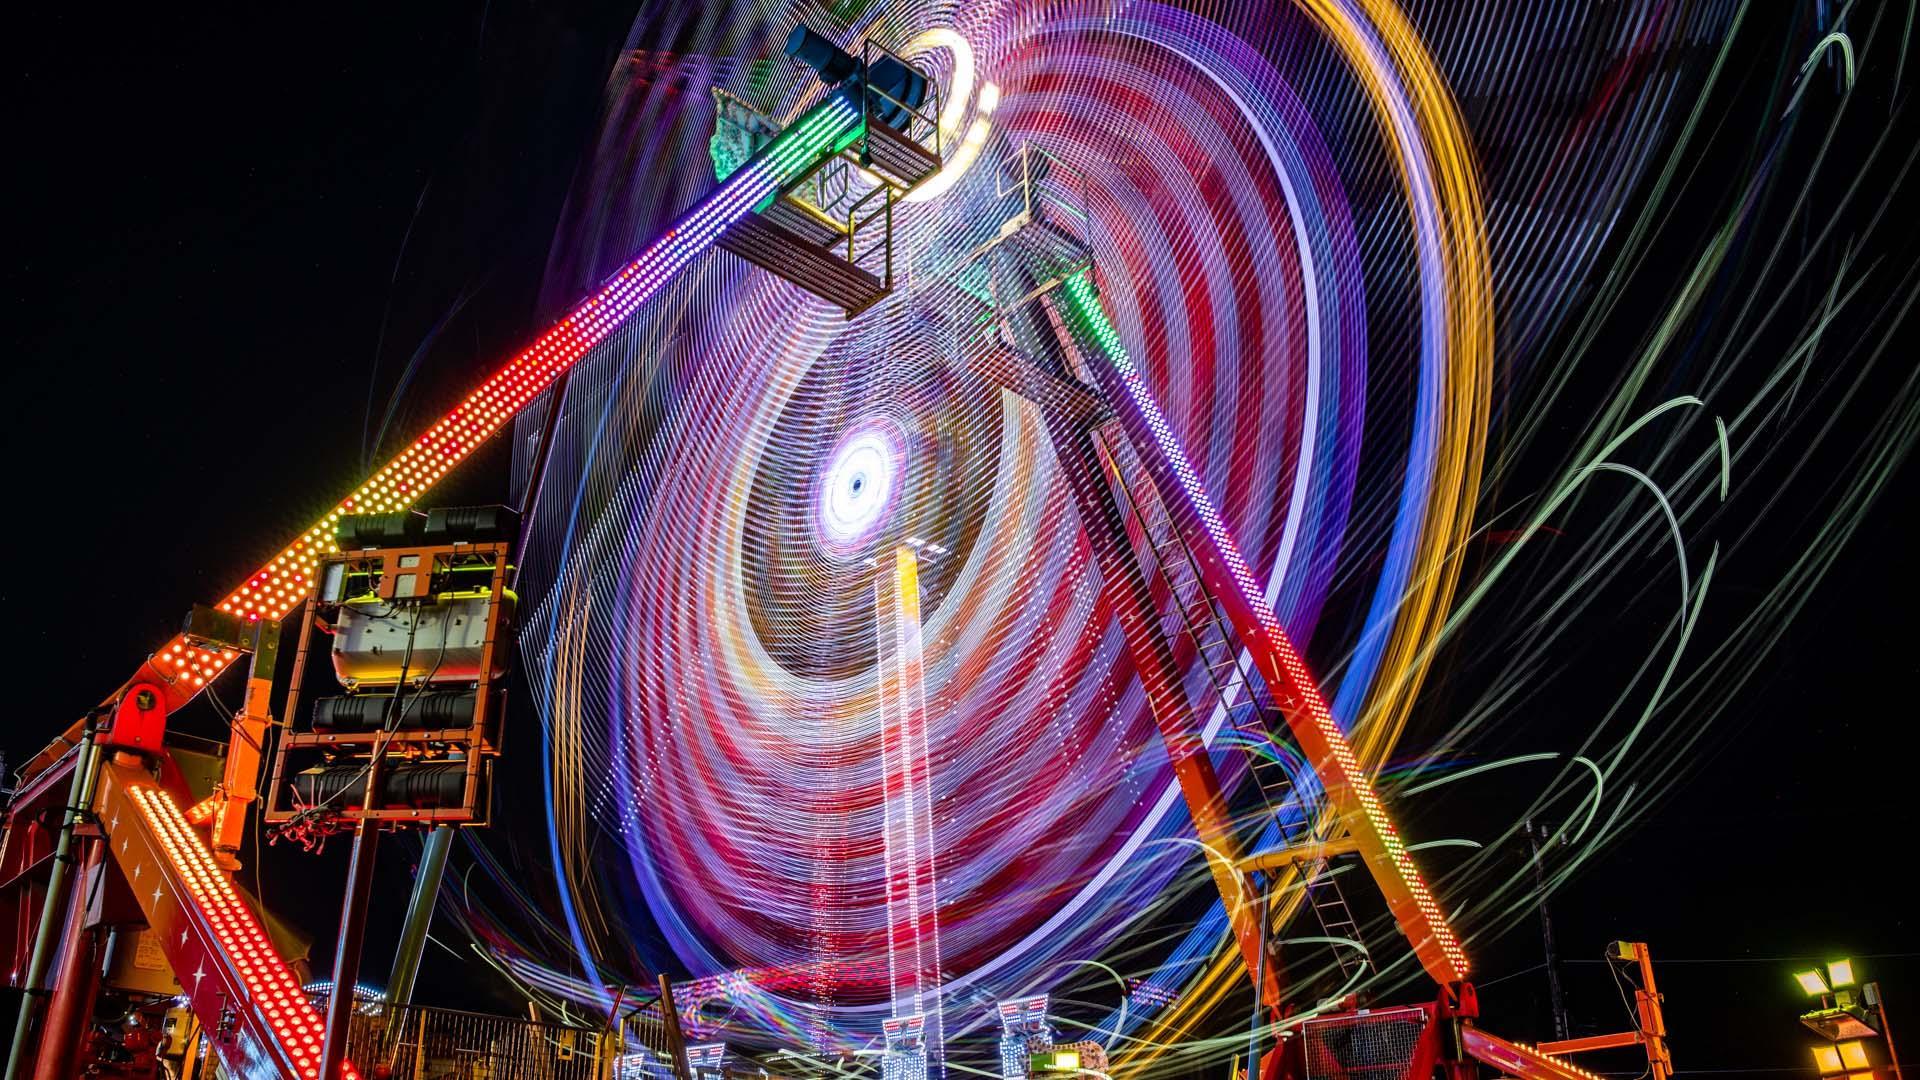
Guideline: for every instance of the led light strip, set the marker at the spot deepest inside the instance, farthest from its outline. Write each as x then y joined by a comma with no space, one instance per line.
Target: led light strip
275,588
272,991
1520,1059
1296,690
191,662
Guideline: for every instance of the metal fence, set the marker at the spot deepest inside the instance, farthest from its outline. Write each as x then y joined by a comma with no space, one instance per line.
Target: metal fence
412,1042
1377,1045
417,1042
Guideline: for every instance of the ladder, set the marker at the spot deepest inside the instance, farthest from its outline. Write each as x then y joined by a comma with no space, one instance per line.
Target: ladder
1196,615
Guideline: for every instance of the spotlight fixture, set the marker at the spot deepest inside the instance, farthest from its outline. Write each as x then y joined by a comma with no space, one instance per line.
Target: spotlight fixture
899,87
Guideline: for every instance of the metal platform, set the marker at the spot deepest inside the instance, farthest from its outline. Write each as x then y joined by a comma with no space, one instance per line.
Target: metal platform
826,269
830,231
1045,236
895,156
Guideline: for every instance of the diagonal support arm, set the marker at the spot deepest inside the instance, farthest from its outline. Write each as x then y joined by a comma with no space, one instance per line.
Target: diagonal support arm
1227,576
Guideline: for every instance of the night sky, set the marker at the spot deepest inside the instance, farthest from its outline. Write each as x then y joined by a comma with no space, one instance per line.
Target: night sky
223,228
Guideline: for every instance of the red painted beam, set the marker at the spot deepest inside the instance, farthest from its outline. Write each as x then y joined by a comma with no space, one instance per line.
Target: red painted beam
256,1016
1518,1059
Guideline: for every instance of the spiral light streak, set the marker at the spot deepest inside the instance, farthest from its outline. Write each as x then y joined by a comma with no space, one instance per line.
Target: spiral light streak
1315,228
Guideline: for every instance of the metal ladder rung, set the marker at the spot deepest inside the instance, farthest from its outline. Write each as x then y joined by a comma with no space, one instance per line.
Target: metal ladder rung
1229,665
1204,622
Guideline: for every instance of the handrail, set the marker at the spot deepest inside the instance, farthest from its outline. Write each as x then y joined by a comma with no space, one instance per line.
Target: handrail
855,254
1058,194
868,93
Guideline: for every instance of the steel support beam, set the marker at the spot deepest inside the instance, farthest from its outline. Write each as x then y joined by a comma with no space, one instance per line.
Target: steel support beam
346,952
1231,582
79,799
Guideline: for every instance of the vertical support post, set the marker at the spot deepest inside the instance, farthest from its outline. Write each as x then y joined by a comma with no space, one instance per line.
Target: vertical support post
190,1049
1259,900
1653,1020
420,1046
913,898
79,799
676,1041
353,928
240,780
413,936
1556,1001
76,981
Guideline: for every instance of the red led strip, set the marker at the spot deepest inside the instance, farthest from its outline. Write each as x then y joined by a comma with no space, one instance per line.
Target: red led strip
271,988
275,588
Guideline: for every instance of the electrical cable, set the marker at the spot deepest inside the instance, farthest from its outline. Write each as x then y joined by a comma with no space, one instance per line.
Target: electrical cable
1633,1014
379,747
390,724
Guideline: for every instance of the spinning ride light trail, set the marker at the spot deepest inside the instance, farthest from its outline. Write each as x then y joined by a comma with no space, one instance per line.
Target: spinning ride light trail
912,870
681,688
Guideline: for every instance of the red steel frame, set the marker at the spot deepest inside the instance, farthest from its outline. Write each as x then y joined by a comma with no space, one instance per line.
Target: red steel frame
228,969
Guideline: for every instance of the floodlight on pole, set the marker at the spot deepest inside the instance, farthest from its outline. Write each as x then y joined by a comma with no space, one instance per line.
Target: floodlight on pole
1812,982
1853,1054
1840,973
1826,1058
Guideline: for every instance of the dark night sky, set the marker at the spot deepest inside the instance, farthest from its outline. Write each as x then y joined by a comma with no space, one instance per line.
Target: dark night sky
206,212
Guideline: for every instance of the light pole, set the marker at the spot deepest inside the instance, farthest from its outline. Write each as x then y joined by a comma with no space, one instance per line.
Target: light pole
1849,1014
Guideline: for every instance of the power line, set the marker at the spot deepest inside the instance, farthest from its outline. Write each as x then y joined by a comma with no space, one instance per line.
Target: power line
1665,961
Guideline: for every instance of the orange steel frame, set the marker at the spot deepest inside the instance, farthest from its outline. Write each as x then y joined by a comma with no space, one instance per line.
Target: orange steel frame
1649,1031
1225,576
478,739
239,783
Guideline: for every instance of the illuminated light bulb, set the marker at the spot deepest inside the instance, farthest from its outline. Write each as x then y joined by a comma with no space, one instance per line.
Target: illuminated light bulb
1811,981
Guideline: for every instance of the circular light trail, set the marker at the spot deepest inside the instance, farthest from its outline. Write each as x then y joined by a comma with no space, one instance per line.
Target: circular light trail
857,488
708,669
